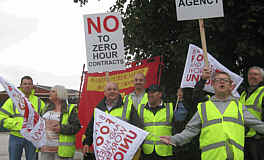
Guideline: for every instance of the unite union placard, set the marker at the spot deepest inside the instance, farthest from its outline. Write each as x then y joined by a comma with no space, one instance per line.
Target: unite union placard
104,42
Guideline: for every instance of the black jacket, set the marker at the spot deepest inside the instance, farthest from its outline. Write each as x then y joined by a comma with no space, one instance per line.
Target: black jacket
134,119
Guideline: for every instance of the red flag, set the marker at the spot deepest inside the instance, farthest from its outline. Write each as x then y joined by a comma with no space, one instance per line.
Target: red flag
94,83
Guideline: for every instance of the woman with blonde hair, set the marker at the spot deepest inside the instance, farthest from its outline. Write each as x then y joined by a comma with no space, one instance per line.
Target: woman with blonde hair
62,123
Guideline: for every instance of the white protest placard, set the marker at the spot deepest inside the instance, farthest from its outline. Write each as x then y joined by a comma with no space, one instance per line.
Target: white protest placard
33,128
104,42
194,66
115,139
198,9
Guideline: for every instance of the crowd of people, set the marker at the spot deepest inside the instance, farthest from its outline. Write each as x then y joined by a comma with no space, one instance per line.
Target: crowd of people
228,128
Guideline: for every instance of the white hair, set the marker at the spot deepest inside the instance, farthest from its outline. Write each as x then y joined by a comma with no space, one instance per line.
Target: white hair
61,92
259,69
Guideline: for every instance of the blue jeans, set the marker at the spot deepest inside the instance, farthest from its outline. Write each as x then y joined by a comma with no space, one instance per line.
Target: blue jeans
15,148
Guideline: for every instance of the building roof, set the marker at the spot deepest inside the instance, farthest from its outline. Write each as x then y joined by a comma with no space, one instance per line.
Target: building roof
42,92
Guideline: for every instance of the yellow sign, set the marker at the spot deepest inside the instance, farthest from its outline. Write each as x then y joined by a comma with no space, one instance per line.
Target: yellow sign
124,80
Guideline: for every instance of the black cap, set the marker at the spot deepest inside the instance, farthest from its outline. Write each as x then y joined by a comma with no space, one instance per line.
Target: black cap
154,88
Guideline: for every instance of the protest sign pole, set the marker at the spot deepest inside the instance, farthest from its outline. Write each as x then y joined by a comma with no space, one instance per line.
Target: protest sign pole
107,79
202,34
176,105
81,84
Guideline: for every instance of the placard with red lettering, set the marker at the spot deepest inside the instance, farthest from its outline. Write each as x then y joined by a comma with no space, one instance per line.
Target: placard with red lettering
33,128
194,67
114,139
104,42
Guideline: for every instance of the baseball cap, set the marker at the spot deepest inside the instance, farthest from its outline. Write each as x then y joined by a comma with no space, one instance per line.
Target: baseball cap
154,88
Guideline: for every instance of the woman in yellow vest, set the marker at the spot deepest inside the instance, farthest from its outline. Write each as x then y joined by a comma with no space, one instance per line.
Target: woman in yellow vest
62,123
220,122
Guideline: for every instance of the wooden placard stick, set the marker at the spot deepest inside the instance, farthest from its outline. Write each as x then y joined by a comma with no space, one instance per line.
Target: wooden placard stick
107,77
203,39
176,105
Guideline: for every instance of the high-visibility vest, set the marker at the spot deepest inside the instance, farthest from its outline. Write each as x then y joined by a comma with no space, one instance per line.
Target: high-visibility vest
157,125
9,110
66,146
254,105
122,112
222,135
144,100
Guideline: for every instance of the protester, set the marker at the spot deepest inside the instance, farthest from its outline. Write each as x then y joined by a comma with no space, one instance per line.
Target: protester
112,103
11,119
180,111
252,97
183,113
62,123
220,122
138,96
158,119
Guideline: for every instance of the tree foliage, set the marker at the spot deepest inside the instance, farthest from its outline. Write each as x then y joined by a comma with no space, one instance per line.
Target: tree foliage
151,29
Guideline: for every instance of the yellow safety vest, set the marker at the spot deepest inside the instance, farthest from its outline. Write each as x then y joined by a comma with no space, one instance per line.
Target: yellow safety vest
254,105
222,135
66,142
144,99
11,119
157,125
122,112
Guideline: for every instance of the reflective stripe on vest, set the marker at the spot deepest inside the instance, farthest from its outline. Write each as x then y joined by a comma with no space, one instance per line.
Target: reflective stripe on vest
254,106
229,142
149,124
157,129
66,142
122,112
6,112
220,144
2,122
207,123
152,142
125,110
144,100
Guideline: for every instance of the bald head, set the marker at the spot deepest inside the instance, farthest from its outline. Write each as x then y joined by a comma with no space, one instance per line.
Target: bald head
111,84
111,91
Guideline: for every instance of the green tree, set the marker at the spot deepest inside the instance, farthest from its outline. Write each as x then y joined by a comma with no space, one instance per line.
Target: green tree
151,28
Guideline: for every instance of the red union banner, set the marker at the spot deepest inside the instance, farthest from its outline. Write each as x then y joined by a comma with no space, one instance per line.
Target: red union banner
93,88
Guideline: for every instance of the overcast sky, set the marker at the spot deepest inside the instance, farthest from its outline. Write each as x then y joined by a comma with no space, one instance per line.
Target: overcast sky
45,39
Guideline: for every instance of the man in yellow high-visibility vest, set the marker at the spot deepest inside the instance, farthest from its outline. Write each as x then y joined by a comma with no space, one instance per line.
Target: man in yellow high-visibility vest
139,95
11,119
220,122
158,119
112,104
252,98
